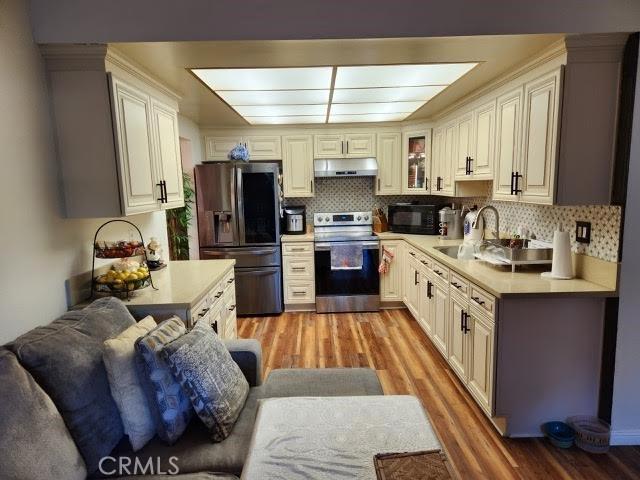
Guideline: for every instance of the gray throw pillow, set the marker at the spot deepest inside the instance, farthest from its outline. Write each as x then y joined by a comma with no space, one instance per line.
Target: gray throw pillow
65,358
29,419
168,402
214,382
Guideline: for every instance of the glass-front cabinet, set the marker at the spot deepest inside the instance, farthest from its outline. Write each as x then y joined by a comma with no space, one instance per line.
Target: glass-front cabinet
416,162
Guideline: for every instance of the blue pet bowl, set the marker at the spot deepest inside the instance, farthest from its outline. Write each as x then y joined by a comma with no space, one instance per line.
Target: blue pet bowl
559,434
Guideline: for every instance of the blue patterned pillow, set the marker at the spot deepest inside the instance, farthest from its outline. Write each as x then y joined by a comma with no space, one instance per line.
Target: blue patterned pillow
215,383
168,402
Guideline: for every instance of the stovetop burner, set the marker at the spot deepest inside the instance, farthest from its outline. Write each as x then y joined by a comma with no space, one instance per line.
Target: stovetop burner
343,227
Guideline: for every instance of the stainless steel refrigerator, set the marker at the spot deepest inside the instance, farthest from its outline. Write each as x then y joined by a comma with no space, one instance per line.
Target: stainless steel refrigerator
238,209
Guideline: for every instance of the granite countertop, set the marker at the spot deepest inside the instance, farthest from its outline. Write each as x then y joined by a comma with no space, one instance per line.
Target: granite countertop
306,237
182,283
500,281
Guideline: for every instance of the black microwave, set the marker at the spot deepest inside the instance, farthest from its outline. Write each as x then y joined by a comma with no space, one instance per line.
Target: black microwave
413,218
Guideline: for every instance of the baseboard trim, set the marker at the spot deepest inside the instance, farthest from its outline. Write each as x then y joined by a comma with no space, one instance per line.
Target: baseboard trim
625,437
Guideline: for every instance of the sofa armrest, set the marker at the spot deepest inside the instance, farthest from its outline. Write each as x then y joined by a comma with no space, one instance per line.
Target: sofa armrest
247,353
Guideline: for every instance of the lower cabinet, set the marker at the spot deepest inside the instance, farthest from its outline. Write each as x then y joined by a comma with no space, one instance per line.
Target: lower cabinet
391,282
298,276
457,316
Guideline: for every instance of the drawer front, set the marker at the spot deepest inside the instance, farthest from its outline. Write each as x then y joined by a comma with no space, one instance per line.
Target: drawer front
440,271
425,261
298,267
459,284
483,300
297,248
299,292
229,281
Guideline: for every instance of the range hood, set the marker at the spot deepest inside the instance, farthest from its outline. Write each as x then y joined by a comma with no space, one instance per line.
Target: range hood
345,167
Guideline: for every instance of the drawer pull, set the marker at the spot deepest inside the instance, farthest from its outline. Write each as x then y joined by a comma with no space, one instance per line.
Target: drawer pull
437,272
298,269
230,281
297,249
412,254
423,262
219,294
477,300
203,313
232,308
299,292
458,286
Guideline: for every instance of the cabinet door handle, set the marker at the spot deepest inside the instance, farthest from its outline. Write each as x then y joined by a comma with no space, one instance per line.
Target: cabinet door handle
347,146
311,186
341,146
516,189
477,300
462,320
415,278
161,199
466,324
512,179
378,184
429,285
166,195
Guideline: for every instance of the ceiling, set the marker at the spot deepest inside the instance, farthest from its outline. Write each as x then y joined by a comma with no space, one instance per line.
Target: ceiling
170,62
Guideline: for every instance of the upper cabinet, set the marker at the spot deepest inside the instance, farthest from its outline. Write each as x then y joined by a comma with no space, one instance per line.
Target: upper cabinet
348,145
508,134
416,163
443,167
122,155
484,134
260,147
297,166
389,150
464,152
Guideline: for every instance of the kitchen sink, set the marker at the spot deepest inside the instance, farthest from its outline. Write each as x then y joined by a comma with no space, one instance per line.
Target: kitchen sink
450,250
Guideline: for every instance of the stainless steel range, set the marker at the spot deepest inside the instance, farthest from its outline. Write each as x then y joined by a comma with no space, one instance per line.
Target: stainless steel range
346,262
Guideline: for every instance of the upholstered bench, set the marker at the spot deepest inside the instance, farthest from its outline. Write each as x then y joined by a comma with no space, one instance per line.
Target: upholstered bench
334,437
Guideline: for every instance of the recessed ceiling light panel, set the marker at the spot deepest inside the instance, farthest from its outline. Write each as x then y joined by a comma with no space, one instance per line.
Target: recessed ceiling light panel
372,93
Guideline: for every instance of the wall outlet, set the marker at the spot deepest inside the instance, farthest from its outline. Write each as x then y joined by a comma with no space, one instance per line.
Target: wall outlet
583,232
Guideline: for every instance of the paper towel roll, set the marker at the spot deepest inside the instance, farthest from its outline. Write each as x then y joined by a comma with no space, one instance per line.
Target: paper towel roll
561,266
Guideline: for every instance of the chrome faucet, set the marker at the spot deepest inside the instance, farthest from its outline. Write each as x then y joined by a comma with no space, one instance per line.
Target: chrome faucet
475,224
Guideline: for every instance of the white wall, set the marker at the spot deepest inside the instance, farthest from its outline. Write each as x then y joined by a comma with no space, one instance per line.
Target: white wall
625,414
190,131
39,250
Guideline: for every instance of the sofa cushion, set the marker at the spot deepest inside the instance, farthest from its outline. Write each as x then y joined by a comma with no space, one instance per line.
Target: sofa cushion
119,360
194,450
214,382
65,358
30,418
188,476
169,404
322,382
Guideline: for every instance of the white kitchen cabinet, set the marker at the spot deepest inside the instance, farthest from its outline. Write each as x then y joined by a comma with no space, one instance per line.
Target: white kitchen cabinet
140,180
458,347
391,282
217,148
328,146
443,169
440,316
389,181
360,145
539,139
481,345
260,147
465,146
484,130
412,281
297,165
298,276
526,141
263,147
508,135
347,145
169,163
416,163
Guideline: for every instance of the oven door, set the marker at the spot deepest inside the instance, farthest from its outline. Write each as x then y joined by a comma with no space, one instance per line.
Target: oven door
347,282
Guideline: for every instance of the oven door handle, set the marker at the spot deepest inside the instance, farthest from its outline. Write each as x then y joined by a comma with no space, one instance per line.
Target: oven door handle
323,246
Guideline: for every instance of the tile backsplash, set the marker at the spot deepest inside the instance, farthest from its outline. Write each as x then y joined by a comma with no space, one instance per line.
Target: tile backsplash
357,194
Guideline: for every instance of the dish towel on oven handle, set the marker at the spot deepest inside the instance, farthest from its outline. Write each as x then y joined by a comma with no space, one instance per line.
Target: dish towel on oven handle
346,257
387,258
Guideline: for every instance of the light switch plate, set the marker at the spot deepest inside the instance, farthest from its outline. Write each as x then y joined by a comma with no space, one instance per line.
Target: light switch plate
583,232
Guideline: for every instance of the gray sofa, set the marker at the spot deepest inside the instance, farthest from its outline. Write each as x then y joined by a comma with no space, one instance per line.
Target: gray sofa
37,443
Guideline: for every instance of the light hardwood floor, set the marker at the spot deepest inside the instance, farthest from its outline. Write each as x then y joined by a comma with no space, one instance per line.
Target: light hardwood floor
392,343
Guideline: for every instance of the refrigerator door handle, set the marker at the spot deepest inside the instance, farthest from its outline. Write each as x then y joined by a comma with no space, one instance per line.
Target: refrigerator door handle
240,207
